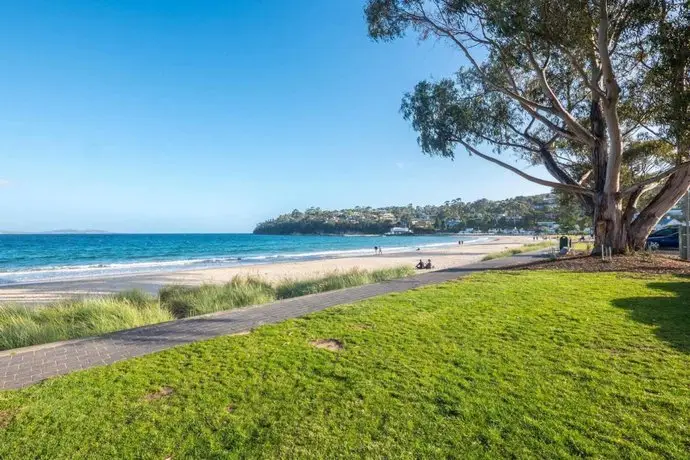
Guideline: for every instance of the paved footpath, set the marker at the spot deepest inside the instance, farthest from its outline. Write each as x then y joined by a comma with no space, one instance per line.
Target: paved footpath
24,366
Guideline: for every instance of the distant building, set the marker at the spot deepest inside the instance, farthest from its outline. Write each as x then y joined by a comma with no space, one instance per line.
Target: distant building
399,231
548,226
387,216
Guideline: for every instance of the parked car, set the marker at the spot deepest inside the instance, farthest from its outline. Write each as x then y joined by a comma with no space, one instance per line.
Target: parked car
664,238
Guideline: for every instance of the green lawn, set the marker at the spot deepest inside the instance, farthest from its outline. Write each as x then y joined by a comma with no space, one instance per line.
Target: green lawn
514,364
524,248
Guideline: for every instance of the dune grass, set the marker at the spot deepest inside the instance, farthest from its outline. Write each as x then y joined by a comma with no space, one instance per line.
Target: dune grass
288,289
520,250
22,326
186,301
528,364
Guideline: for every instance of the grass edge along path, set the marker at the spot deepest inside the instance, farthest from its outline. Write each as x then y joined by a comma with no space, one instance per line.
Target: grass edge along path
501,364
522,249
22,326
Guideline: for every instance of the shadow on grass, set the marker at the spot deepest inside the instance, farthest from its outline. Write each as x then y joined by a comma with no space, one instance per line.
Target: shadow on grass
670,315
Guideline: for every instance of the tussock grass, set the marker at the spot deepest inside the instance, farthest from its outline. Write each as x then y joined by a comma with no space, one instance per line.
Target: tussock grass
288,289
22,326
520,250
184,302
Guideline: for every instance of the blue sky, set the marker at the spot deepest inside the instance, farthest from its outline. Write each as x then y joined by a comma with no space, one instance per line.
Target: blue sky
209,116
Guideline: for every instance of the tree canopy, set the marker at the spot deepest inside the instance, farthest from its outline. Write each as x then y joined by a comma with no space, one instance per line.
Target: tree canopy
598,92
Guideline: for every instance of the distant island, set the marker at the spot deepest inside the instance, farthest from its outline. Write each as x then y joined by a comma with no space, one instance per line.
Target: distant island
67,231
522,212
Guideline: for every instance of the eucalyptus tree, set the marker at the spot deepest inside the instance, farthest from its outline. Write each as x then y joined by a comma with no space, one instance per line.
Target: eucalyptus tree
596,91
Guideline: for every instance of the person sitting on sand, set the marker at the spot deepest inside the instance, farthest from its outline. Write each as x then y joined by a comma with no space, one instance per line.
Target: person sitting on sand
428,264
419,265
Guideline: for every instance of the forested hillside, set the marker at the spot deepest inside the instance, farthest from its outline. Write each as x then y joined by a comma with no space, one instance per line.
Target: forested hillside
522,212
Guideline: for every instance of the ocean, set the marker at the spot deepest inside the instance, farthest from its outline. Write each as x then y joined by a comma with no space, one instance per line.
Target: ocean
51,257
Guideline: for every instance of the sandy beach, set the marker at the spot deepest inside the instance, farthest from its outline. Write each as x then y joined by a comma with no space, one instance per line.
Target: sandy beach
441,257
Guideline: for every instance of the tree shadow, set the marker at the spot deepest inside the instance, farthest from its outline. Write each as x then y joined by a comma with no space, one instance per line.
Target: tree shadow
670,315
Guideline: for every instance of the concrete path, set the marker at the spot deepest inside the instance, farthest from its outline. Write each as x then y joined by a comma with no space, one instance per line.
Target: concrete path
24,366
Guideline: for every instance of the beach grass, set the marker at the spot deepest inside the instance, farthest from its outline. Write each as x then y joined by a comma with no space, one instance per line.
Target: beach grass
22,326
525,248
186,301
523,364
288,288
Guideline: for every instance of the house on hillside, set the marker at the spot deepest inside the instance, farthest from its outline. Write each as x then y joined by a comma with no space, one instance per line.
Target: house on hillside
387,217
548,226
399,231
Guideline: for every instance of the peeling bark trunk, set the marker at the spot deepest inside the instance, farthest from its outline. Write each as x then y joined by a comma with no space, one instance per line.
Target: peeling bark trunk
611,229
607,215
674,189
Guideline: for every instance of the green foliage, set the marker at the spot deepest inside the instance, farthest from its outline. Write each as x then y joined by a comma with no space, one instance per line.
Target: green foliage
501,365
570,215
520,250
184,302
598,92
23,326
452,216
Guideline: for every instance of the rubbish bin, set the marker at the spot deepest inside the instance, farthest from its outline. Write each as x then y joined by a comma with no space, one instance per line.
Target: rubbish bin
563,242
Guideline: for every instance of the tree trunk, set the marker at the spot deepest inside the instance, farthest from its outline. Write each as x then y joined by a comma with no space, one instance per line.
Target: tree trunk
672,191
610,227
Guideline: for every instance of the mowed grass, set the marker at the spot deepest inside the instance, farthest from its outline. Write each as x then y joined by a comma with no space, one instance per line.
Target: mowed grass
525,248
22,326
531,364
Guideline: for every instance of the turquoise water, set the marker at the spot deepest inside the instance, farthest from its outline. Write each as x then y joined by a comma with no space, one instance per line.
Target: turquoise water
36,258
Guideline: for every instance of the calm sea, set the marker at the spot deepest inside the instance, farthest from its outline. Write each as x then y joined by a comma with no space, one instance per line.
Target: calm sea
35,258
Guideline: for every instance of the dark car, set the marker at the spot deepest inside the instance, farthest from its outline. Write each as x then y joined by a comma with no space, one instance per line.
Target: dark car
664,238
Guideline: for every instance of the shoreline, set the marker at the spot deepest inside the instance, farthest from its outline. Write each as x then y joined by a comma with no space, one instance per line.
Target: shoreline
441,256
210,262
143,266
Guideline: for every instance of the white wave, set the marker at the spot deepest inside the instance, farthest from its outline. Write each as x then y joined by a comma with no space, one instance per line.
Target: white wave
86,271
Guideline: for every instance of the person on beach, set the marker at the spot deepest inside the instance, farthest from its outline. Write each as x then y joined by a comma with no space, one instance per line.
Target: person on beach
428,264
420,265
380,250
376,250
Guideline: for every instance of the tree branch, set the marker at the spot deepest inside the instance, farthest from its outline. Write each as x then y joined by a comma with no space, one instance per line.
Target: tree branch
585,176
592,85
570,188
654,180
570,121
615,153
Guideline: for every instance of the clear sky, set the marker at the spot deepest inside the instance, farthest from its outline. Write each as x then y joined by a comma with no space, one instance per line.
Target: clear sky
209,116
